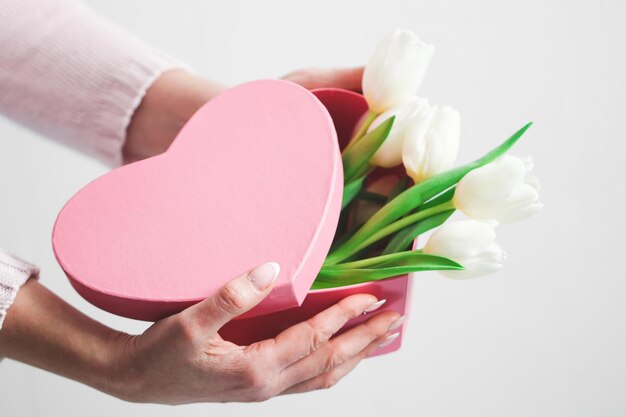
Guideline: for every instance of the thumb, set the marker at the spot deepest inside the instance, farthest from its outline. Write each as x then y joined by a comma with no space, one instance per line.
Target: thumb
235,298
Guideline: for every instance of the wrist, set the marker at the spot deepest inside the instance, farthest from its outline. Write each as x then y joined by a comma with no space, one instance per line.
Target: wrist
44,331
168,104
117,375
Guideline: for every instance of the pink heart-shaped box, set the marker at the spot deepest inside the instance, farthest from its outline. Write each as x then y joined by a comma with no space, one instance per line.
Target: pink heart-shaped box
254,176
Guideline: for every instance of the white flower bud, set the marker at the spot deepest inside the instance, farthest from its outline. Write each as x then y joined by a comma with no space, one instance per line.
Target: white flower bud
503,190
434,151
471,243
395,70
411,120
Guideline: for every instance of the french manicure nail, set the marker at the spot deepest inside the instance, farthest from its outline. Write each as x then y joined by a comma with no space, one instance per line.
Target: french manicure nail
375,306
263,276
397,323
389,339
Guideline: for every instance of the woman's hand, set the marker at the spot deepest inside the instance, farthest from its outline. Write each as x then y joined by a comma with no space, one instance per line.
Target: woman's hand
177,95
310,78
183,359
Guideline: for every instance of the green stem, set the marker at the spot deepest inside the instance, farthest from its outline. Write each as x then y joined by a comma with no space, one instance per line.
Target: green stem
364,263
404,222
345,250
363,128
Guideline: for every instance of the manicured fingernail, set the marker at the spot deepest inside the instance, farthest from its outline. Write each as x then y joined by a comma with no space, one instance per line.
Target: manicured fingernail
397,323
374,306
388,340
263,276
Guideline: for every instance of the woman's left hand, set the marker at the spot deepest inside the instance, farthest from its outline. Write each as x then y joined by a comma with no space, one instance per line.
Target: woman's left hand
310,78
178,94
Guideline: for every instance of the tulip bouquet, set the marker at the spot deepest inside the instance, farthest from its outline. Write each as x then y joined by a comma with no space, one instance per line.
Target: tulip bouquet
417,144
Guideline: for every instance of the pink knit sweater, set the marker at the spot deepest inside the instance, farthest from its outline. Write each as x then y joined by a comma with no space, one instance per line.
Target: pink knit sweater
74,77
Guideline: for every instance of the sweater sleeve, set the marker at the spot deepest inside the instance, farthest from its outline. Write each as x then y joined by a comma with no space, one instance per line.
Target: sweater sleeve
14,272
73,76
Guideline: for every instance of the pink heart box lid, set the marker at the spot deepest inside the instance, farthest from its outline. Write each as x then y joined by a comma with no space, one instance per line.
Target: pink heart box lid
254,176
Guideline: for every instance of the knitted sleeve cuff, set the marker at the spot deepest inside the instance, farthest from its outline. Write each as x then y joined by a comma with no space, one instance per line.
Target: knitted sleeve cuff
14,272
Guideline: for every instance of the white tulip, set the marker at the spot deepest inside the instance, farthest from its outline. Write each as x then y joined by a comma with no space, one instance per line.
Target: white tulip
503,190
395,70
434,151
411,119
471,243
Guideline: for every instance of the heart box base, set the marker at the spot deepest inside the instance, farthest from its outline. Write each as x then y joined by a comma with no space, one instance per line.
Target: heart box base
346,109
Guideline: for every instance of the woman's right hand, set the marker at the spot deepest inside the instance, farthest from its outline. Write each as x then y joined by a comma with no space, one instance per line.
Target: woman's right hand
182,358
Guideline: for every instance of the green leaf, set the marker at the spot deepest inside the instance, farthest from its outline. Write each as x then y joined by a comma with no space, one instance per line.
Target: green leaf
364,170
356,158
403,223
441,198
409,257
405,237
350,191
339,276
417,195
370,116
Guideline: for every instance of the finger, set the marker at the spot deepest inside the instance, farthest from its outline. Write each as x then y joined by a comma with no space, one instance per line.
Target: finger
311,78
341,349
351,79
233,299
332,377
300,340
346,78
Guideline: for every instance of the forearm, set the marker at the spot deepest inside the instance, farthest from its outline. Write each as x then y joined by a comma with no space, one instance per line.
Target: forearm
173,98
177,94
42,330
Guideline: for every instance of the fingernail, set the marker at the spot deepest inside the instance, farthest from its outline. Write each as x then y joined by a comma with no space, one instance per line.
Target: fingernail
263,276
374,306
397,323
388,340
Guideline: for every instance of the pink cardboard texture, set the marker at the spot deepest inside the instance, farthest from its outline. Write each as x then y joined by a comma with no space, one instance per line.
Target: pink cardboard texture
346,108
254,176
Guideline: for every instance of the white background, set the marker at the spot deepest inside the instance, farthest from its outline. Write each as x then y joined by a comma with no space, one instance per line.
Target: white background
544,337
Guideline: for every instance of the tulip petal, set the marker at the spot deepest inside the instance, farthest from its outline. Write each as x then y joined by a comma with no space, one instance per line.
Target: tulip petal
433,150
460,240
411,117
469,242
487,262
503,190
395,70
